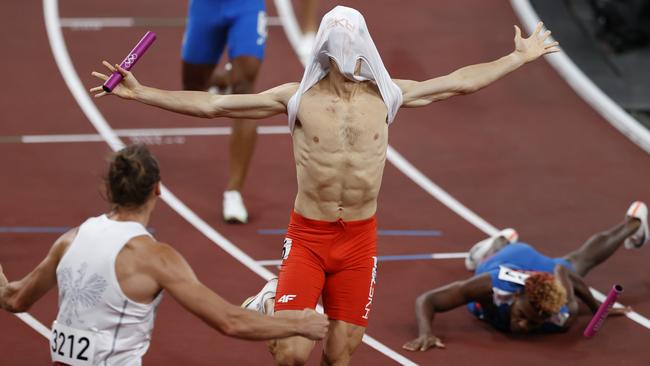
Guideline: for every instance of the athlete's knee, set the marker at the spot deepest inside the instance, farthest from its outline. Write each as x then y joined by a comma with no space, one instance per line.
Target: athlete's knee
288,353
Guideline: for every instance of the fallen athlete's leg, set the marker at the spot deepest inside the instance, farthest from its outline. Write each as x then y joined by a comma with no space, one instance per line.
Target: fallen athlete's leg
602,245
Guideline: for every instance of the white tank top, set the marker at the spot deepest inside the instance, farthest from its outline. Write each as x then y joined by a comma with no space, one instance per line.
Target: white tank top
97,324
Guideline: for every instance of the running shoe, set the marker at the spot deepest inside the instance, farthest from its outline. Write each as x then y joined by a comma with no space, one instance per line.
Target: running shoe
638,210
257,302
234,210
480,250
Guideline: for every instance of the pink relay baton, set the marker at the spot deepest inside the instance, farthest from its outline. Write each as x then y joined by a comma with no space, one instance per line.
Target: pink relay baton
598,319
130,60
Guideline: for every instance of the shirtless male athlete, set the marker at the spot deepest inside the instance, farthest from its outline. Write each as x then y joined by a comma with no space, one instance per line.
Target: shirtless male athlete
339,116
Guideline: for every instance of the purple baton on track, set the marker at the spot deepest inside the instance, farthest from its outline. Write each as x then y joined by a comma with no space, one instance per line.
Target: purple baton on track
598,319
130,60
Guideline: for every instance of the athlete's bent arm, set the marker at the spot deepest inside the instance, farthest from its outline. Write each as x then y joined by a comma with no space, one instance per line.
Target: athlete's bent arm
19,296
472,78
174,274
198,103
444,299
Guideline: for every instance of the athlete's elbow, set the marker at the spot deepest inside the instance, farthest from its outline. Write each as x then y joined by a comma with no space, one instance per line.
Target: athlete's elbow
15,306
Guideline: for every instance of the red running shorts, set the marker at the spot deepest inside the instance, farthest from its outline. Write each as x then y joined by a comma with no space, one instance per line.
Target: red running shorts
337,260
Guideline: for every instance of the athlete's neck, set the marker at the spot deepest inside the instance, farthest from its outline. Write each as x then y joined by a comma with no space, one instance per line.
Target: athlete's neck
339,85
141,214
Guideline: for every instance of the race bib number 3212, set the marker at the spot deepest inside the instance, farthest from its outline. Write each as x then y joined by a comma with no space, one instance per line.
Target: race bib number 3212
72,346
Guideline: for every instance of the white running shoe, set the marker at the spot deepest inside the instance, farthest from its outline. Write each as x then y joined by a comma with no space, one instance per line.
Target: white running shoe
639,210
257,302
234,210
480,250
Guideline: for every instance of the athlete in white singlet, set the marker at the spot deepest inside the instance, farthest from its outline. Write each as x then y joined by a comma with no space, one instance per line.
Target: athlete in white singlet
111,273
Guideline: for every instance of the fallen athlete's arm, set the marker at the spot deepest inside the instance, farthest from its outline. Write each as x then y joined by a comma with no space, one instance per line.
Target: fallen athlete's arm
444,299
199,103
175,276
19,296
472,78
583,292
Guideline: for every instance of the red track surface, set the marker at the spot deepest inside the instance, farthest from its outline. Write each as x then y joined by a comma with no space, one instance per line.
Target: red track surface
526,152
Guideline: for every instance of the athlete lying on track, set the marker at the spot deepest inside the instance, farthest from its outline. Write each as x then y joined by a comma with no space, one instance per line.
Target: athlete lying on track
111,274
515,288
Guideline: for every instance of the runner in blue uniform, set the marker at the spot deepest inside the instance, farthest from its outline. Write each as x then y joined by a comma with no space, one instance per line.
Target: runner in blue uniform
516,288
241,26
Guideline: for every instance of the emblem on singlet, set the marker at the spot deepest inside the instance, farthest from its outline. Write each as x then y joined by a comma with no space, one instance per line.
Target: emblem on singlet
79,292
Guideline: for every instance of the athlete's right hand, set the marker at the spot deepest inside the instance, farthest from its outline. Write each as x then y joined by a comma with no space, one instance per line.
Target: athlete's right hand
125,89
313,325
423,343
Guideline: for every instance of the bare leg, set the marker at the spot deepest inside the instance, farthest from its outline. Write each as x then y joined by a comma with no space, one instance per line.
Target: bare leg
601,246
309,16
341,341
244,134
197,76
292,351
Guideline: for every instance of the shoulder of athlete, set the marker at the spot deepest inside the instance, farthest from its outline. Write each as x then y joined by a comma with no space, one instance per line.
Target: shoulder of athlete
284,92
62,244
478,287
158,259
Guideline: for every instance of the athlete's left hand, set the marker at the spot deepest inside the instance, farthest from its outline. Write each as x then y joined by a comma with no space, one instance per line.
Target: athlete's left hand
531,48
423,343
619,311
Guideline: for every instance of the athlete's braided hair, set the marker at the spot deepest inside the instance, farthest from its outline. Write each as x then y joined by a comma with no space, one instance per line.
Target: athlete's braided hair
131,176
544,293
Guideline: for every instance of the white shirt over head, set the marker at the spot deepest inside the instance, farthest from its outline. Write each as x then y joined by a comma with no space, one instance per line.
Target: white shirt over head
343,36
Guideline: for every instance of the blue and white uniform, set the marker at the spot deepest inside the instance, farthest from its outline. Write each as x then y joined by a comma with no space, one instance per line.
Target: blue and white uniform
508,269
213,24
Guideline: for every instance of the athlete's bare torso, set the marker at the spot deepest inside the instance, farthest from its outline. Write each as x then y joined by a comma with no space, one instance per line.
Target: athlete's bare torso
339,146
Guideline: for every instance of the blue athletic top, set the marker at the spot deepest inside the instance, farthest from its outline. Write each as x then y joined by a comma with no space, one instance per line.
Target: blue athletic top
506,268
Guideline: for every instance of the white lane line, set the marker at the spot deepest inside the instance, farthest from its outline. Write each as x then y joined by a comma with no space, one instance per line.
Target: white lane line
35,324
98,23
583,86
142,132
62,58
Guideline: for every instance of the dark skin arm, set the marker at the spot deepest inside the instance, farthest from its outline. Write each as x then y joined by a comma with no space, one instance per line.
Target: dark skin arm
19,296
562,274
582,291
444,299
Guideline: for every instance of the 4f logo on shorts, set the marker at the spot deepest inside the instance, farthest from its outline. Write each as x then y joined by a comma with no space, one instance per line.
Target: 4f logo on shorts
286,298
286,248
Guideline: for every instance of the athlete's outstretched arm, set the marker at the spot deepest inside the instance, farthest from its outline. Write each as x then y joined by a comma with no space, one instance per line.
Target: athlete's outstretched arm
174,274
19,296
472,78
444,299
197,103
